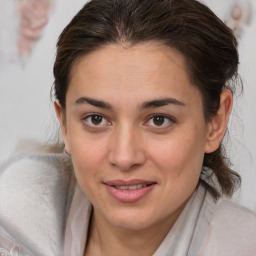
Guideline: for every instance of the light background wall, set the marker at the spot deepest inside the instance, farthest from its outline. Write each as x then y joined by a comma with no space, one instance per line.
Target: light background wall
27,112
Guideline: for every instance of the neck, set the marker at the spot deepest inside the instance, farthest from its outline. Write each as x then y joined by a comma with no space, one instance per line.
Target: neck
104,238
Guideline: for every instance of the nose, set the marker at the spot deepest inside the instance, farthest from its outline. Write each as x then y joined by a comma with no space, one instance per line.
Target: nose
126,151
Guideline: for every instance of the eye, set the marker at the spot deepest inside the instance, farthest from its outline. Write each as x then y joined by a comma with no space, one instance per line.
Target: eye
96,120
160,120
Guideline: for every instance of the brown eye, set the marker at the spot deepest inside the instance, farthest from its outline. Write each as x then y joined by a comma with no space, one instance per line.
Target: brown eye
158,120
96,119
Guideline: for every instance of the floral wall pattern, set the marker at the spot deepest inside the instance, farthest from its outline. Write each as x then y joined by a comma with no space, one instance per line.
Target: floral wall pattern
27,19
33,16
239,15
21,25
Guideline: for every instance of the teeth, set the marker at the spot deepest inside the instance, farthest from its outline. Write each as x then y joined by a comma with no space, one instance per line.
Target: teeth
133,187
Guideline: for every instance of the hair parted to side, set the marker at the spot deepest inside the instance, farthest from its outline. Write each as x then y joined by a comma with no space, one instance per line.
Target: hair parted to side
207,44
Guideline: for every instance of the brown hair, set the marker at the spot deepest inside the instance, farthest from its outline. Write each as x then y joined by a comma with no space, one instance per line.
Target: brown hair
208,45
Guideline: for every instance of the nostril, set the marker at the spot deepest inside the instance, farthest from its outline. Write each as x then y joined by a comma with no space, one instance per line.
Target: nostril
126,161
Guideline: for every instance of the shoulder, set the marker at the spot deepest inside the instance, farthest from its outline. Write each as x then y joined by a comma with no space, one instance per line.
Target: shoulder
28,169
18,161
33,176
232,231
35,190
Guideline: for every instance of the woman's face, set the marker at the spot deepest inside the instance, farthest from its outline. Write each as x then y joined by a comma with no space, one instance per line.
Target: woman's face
135,128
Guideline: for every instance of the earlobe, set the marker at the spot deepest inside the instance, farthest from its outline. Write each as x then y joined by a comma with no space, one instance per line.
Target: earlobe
60,115
218,124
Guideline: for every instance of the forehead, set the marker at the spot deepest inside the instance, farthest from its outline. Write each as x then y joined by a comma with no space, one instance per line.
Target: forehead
148,68
148,55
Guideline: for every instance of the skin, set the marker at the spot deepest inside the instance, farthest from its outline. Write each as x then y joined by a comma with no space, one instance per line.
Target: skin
128,143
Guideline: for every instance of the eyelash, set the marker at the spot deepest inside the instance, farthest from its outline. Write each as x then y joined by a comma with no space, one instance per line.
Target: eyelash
168,118
95,126
88,122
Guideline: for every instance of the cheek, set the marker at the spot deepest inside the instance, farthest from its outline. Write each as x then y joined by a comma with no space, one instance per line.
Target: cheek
180,156
88,156
179,163
87,168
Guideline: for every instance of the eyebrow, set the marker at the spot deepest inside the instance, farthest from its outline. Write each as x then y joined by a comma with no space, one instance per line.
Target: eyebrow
161,103
145,105
93,102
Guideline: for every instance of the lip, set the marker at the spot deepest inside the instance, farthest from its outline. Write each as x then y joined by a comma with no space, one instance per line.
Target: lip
129,196
128,182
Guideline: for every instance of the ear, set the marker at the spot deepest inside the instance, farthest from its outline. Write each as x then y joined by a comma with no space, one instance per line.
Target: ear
218,124
61,117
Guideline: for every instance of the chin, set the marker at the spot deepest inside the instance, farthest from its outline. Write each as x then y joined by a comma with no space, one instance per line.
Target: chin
131,219
131,224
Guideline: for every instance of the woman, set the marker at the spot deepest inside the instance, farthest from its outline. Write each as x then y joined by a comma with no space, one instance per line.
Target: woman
143,96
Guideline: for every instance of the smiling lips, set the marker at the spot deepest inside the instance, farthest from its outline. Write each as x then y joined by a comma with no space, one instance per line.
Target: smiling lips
129,191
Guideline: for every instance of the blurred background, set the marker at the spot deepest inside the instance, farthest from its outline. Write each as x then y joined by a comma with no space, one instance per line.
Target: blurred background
28,34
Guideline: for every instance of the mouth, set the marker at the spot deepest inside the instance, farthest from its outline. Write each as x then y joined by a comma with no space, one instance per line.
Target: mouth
133,187
130,184
129,191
